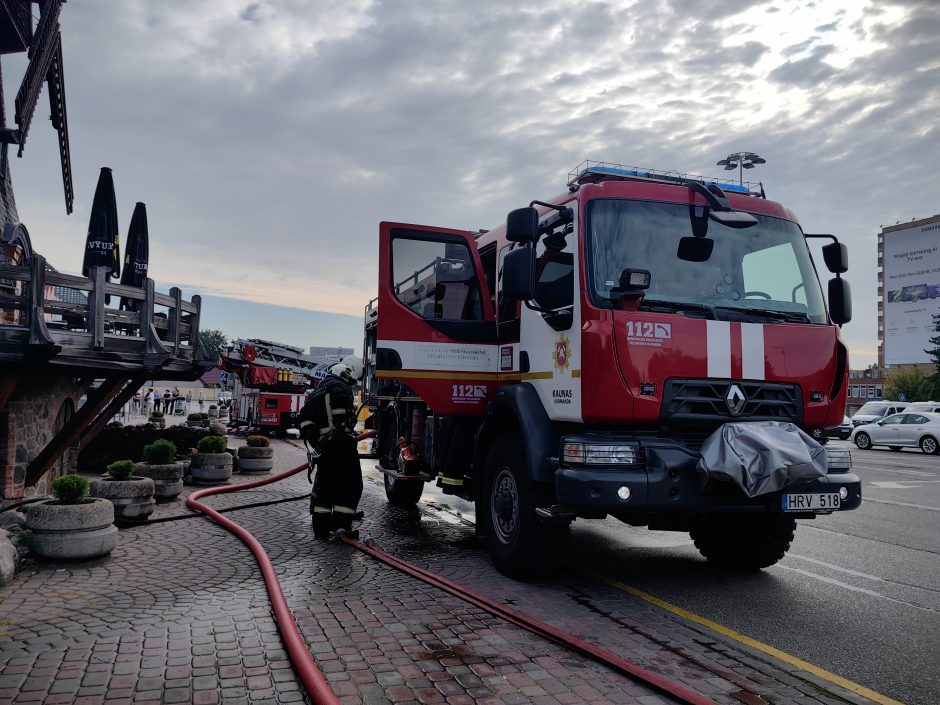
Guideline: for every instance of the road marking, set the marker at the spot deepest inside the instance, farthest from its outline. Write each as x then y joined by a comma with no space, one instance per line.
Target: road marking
758,645
883,469
901,504
859,574
853,588
896,485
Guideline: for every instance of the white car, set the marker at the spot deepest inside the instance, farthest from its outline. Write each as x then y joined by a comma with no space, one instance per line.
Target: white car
904,430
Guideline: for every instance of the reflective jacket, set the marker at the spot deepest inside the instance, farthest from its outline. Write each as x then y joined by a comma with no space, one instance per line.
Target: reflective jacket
330,408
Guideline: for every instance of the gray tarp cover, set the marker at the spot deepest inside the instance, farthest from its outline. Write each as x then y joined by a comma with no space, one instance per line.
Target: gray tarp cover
762,456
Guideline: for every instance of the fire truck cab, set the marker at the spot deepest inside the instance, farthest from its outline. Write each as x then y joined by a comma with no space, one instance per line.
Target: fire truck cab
572,362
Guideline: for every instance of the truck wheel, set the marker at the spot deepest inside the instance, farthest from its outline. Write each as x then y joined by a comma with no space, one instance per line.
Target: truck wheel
403,493
744,541
521,545
863,441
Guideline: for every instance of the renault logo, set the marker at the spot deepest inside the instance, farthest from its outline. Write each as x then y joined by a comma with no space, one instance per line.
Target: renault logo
735,399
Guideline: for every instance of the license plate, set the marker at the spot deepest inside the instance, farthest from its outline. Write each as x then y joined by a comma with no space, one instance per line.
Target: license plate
810,502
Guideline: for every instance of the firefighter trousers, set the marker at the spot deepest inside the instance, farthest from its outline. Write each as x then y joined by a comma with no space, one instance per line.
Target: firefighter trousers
337,485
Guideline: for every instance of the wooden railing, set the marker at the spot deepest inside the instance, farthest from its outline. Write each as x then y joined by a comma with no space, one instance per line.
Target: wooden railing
124,326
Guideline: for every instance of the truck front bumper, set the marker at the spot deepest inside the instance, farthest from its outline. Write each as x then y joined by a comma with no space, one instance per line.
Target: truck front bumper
668,482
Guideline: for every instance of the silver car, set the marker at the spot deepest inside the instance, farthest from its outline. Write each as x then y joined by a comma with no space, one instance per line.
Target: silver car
904,430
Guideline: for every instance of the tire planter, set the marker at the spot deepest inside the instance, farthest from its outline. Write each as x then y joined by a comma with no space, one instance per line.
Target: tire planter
72,531
211,468
255,461
194,424
132,499
213,413
167,479
158,421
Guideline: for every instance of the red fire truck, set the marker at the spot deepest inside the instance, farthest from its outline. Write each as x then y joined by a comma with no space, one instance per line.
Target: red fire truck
271,382
574,362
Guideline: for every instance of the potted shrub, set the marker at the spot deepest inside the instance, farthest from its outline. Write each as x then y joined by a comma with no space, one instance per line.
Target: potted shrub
204,419
211,465
156,418
71,525
213,411
257,456
160,466
194,420
131,496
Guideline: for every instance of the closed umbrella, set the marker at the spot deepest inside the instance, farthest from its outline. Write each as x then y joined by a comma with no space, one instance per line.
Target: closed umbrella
137,254
102,244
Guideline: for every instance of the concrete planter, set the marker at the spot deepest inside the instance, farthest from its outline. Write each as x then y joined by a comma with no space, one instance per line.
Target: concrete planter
255,461
213,412
159,421
132,499
211,468
194,424
72,531
167,479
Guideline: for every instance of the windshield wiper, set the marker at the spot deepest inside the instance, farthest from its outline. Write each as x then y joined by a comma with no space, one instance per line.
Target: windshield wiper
795,316
670,306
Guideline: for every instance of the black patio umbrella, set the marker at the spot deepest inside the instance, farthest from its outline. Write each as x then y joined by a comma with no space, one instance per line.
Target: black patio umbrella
136,254
102,244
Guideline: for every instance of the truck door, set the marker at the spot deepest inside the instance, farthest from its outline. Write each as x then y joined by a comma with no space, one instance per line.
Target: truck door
436,325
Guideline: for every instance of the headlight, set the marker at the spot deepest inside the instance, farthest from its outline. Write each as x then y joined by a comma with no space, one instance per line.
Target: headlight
839,459
597,453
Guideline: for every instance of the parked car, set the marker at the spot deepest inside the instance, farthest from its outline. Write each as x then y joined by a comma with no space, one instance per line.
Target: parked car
842,431
932,407
904,430
875,410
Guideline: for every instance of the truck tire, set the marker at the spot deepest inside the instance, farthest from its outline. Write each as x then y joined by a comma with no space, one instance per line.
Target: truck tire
521,545
403,493
744,541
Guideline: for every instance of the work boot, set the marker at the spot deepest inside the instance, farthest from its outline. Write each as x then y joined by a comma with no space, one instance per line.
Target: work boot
322,524
343,521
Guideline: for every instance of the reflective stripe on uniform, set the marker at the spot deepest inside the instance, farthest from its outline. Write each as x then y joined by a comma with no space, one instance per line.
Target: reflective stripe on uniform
450,480
343,510
322,510
304,424
329,412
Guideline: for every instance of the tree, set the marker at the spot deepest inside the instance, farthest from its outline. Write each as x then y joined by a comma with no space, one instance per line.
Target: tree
909,382
214,341
934,352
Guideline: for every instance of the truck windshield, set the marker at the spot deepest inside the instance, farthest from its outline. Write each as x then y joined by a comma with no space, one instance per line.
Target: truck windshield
765,271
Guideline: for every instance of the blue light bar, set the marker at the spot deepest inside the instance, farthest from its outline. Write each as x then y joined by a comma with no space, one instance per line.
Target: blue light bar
588,169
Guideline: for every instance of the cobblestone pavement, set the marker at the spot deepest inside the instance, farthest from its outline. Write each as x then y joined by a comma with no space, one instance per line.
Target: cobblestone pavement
179,614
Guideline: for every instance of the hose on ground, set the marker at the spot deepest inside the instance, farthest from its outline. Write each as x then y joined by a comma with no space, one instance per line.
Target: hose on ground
304,665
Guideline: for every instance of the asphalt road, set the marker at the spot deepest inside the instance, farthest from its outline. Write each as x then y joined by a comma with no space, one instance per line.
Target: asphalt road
858,594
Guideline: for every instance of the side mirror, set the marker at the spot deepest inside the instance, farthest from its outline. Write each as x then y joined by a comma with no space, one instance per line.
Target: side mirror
733,219
519,274
695,249
840,301
836,257
522,225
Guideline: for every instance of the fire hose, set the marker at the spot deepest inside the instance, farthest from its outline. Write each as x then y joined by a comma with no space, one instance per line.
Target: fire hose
304,664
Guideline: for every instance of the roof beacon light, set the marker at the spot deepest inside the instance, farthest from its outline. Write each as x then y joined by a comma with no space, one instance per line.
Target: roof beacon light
590,171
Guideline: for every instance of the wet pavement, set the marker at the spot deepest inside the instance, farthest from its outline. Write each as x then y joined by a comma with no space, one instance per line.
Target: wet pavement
179,614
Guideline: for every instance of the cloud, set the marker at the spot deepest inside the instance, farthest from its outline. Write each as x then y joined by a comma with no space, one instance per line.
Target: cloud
269,139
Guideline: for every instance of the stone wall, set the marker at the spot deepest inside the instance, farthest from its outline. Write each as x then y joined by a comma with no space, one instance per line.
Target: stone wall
38,407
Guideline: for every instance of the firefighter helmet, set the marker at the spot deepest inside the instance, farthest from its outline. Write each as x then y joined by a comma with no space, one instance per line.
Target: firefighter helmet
350,367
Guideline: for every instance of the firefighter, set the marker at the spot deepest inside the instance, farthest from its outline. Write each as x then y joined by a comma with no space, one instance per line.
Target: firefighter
328,422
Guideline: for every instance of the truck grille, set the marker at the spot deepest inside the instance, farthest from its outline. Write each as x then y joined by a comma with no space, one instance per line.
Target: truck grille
704,400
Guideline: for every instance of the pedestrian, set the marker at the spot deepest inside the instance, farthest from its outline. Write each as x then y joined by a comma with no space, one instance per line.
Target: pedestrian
137,401
202,400
189,399
328,422
151,400
167,402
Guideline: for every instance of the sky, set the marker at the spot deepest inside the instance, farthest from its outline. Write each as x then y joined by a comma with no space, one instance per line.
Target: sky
269,138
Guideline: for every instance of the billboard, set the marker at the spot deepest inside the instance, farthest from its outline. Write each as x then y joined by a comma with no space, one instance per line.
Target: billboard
911,291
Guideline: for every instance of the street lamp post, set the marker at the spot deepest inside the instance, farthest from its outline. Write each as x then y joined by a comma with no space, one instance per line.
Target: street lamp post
741,161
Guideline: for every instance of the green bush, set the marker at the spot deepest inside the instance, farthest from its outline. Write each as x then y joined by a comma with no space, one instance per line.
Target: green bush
160,452
211,444
203,416
258,441
70,489
213,406
156,414
195,416
121,469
